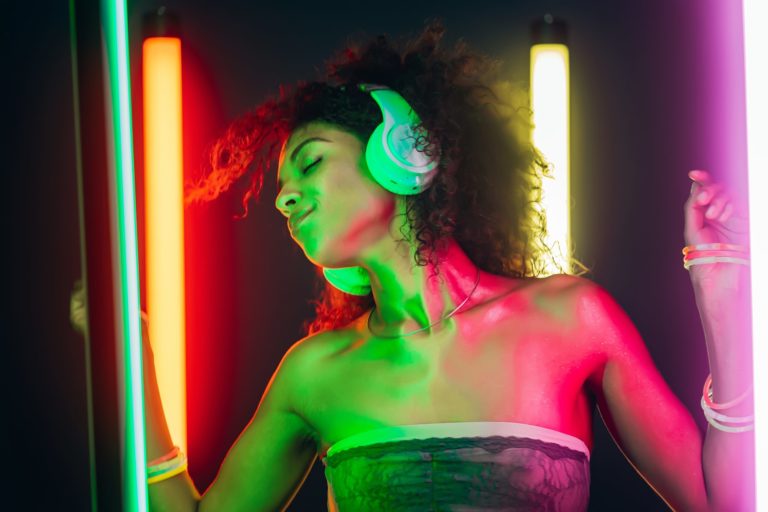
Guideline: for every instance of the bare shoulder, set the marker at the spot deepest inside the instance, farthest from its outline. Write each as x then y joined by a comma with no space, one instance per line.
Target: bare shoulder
605,329
303,354
560,295
594,322
304,361
590,303
564,283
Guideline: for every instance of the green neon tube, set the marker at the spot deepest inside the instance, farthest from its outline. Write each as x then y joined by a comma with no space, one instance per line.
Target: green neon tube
134,461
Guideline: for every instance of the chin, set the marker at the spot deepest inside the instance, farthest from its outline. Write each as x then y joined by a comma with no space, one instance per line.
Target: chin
328,259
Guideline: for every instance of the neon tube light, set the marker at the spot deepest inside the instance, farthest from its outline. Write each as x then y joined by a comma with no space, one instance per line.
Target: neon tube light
550,104
755,15
119,109
163,175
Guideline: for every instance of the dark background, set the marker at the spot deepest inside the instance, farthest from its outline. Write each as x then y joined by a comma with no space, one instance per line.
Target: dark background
654,93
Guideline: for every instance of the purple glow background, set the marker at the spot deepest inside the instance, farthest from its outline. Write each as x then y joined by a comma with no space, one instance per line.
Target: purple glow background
657,90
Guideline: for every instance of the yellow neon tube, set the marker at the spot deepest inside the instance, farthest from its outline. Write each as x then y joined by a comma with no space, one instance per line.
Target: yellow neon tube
163,181
550,105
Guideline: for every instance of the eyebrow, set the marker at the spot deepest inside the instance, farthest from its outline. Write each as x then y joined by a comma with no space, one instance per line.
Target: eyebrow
295,152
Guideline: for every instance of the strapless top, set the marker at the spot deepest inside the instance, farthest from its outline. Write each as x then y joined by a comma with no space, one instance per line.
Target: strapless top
462,466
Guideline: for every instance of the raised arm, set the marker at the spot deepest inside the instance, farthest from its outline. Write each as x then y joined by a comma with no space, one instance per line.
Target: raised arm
265,466
177,493
273,455
652,428
268,462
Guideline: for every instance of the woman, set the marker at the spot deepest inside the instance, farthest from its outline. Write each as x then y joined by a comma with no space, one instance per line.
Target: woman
449,374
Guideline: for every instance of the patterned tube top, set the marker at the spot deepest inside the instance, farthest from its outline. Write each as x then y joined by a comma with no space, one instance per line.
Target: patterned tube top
462,466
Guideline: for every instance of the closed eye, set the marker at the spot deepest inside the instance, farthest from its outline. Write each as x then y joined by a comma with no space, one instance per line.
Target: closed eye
307,168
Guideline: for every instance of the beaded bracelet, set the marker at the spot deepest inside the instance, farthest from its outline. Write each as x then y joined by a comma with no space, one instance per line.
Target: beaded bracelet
167,469
170,455
165,476
714,418
706,395
722,417
715,247
699,254
165,466
726,428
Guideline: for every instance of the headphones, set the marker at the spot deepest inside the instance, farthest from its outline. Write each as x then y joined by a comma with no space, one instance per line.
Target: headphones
395,164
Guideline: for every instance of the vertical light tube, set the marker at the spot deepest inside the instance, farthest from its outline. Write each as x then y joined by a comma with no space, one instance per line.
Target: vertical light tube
755,16
165,225
550,104
127,301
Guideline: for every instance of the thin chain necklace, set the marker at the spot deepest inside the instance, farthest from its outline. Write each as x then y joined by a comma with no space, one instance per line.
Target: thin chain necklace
477,280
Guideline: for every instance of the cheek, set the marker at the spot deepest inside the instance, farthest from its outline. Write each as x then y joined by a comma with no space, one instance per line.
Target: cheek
347,227
359,201
371,220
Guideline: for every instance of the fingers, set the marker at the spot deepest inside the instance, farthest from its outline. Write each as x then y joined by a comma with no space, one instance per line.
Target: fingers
77,311
700,176
710,199
727,211
78,320
716,205
705,194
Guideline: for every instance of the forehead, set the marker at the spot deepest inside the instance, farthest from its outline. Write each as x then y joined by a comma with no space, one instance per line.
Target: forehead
298,136
314,129
305,131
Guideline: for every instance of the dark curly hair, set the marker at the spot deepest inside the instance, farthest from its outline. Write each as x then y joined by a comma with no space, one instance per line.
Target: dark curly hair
487,194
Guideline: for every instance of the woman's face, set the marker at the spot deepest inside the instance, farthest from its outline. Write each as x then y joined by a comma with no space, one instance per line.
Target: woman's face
322,170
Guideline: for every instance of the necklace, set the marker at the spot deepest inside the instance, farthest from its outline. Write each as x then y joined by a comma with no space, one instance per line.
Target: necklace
477,280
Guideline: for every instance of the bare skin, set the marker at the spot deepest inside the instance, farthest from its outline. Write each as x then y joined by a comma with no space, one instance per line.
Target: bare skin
512,353
510,359
544,352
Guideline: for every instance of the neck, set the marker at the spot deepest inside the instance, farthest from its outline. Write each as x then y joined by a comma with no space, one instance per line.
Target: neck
410,297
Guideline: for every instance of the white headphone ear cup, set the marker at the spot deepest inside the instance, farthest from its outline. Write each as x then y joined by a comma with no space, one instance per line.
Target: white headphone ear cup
386,172
401,140
391,152
392,174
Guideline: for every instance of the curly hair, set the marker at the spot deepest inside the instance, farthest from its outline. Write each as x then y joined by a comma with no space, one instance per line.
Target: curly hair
487,193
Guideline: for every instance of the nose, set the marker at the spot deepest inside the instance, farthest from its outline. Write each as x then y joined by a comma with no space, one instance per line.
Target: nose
286,200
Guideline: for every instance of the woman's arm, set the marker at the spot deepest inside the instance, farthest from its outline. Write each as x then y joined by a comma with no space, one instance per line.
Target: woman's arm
269,461
266,465
264,468
728,457
722,289
651,427
177,493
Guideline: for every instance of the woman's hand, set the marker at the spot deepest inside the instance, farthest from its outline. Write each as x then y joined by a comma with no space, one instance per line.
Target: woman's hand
714,215
78,313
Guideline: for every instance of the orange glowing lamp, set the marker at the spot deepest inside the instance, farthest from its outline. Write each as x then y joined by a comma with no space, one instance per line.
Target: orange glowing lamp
163,182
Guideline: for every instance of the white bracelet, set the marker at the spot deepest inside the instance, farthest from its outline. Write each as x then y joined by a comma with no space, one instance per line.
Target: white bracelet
713,417
710,413
726,428
714,259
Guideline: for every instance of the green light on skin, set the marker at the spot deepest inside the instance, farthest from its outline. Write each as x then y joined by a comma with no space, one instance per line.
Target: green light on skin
119,89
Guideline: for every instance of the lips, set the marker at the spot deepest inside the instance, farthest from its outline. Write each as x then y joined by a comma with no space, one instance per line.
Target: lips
294,221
